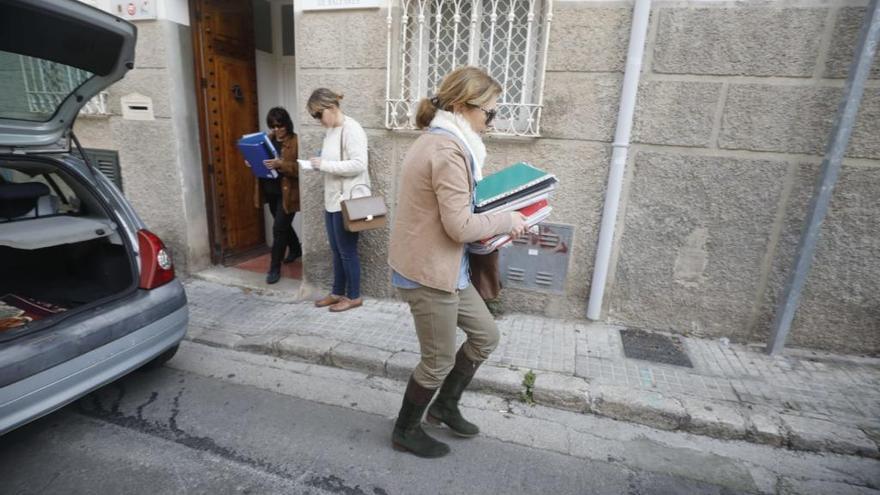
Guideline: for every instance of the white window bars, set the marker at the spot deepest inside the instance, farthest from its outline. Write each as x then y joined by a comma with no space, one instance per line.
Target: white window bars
97,106
507,38
47,84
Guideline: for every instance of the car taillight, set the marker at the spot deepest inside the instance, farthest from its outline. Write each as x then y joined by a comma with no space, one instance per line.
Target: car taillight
156,265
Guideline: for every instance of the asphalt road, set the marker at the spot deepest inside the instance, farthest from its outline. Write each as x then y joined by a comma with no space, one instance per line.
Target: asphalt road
172,431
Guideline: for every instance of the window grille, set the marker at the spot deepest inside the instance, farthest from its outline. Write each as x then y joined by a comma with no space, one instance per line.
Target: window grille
507,38
96,106
48,83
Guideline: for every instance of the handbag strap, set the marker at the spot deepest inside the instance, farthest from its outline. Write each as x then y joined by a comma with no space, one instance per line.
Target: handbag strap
342,158
341,147
351,191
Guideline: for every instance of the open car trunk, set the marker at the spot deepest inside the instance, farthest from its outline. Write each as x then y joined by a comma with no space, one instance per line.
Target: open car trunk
66,276
61,250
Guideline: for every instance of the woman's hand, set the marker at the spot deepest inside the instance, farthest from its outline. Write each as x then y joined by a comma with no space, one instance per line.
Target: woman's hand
272,164
519,224
316,162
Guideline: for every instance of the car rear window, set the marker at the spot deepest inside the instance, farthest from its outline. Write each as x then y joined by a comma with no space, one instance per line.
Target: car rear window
32,89
33,195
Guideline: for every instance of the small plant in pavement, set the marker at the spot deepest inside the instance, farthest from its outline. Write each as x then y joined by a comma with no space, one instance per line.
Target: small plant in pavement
529,384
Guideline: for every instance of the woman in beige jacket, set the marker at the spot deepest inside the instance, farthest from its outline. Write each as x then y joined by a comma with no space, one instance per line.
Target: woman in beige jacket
433,223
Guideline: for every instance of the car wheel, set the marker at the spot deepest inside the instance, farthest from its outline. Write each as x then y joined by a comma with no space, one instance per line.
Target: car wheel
161,359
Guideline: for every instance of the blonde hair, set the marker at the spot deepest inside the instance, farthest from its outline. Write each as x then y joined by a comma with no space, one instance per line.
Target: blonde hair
323,98
465,85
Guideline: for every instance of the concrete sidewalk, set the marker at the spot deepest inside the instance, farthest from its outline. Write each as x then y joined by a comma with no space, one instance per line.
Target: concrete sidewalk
801,400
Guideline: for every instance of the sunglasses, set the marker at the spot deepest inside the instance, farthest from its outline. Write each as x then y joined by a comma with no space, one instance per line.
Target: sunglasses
490,114
317,115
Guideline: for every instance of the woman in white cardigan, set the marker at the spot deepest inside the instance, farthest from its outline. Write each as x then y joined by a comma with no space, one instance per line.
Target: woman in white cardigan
343,162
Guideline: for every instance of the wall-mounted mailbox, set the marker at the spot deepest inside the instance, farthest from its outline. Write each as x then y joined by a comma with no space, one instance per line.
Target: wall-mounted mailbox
538,261
137,107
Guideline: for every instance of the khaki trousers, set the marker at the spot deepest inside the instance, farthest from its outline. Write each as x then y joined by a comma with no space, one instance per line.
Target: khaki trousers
437,314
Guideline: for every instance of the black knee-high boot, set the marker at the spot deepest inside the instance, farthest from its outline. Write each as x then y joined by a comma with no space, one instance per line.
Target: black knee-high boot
408,433
445,407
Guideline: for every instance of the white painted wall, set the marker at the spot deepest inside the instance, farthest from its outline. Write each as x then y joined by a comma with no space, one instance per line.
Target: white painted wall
268,85
172,10
276,86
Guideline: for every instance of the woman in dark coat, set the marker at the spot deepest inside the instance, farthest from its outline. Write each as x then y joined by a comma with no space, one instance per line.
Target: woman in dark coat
281,193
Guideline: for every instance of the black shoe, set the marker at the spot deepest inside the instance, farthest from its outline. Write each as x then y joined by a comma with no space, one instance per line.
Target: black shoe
417,442
273,277
445,408
408,435
291,257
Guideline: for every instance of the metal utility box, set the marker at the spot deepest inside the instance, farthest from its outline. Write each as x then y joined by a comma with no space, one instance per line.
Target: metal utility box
538,261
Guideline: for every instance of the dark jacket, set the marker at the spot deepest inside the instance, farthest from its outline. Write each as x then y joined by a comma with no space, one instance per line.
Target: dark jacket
289,172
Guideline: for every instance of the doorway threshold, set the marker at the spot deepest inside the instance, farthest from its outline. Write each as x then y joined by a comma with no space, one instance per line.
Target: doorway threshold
287,288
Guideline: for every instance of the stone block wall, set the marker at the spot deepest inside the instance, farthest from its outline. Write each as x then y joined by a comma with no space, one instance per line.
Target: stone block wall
352,63
734,112
161,154
735,104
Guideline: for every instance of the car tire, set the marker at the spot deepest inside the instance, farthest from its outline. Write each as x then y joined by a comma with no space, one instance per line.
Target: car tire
161,359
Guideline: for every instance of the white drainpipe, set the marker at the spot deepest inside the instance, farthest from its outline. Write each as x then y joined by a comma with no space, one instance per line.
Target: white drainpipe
637,37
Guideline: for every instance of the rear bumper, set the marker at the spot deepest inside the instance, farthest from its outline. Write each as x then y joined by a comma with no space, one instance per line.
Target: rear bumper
41,393
92,327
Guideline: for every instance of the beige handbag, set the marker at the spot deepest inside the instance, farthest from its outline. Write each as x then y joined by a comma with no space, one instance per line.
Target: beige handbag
366,213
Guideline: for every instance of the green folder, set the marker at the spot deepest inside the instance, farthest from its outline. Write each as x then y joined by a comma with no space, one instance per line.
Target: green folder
509,181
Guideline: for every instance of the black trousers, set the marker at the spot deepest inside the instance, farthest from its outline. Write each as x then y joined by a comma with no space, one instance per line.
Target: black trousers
283,235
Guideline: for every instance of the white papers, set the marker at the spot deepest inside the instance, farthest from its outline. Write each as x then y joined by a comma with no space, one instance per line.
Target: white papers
488,245
526,201
305,164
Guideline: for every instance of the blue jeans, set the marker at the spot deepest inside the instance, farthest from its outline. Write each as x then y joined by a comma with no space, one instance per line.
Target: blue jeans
346,263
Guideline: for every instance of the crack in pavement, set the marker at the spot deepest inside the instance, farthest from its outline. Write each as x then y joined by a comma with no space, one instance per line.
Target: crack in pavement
93,407
140,409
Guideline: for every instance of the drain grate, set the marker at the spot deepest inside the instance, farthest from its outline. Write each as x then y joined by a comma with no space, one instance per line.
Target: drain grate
648,346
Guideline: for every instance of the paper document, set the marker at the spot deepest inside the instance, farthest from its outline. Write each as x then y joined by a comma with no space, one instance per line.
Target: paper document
534,213
305,164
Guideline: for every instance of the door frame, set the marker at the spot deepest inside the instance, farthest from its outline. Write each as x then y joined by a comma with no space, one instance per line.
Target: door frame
207,153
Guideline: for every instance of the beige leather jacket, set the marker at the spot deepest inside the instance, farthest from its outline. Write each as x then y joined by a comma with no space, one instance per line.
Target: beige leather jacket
433,219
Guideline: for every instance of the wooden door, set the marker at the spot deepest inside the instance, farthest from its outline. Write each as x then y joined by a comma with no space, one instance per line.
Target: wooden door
226,70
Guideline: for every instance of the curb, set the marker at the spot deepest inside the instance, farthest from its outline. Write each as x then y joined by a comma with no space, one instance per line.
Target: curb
716,419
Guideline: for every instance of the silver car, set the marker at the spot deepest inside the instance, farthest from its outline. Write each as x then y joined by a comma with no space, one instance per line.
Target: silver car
87,293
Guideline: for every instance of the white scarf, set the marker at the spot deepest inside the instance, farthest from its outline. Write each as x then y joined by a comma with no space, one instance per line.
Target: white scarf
461,128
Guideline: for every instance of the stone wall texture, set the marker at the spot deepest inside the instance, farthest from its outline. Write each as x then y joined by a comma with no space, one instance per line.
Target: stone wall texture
735,105
161,154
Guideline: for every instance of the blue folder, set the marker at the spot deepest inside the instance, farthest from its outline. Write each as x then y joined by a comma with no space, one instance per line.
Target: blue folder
257,147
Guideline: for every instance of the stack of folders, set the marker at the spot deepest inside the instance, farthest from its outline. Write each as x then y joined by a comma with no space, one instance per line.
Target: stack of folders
519,187
256,148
